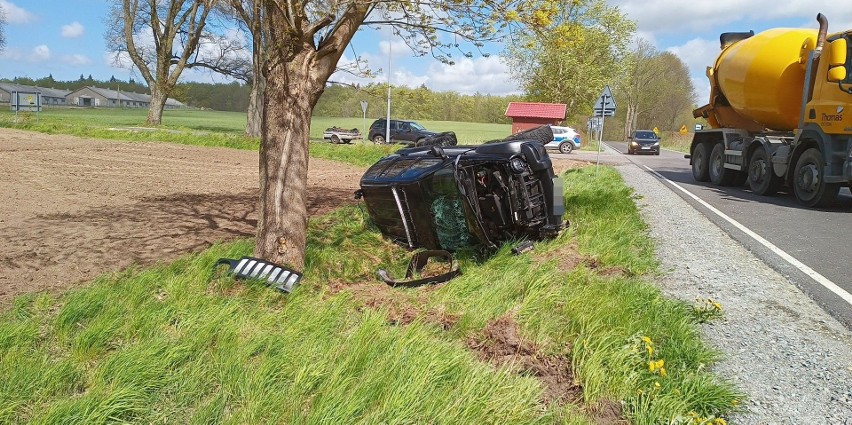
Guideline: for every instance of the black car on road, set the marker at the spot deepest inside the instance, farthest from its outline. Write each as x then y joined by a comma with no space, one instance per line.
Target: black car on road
405,132
643,141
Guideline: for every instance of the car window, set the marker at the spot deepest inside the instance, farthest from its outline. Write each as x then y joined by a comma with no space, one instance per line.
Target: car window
558,130
417,127
645,135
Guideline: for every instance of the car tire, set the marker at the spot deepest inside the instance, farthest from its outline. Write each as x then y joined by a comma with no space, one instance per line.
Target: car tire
566,147
379,139
335,139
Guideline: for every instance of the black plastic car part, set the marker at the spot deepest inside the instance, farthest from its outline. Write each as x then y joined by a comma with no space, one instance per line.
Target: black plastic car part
446,198
415,267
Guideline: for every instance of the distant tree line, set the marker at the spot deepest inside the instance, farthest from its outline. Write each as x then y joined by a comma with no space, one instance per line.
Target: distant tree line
412,103
337,100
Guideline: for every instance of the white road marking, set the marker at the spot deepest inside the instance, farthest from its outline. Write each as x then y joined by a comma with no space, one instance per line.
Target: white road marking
822,280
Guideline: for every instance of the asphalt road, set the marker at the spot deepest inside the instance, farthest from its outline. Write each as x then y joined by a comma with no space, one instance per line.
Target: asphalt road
819,239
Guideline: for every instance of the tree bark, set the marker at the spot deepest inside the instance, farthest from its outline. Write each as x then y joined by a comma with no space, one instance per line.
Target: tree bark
158,102
254,118
290,97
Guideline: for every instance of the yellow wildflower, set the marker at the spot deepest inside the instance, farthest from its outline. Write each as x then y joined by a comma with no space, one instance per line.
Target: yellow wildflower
719,421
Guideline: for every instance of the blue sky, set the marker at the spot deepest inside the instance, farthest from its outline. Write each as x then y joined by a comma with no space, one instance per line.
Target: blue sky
65,38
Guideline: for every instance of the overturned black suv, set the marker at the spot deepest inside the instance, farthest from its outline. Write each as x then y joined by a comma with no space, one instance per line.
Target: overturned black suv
449,197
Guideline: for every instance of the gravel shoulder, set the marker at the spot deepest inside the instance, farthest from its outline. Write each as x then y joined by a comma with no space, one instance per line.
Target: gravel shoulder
791,358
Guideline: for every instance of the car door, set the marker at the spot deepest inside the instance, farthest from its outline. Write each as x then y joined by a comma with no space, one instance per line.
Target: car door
405,133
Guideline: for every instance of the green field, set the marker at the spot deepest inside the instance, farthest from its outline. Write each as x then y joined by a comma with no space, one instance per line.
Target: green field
61,120
177,343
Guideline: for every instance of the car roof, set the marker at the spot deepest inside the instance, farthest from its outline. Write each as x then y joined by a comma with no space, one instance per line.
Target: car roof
562,127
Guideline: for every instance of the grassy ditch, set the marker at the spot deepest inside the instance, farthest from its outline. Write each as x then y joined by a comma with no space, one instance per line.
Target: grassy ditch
569,333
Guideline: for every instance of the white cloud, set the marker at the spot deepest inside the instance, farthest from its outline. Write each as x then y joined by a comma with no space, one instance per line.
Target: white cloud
40,53
672,16
73,30
468,76
76,60
698,54
15,14
118,60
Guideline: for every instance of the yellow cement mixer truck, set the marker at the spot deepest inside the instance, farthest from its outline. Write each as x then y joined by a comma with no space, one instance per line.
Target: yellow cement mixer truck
778,115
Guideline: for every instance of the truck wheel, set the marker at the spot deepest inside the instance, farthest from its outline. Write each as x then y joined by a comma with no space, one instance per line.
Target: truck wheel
761,179
809,181
701,162
720,175
379,139
335,139
566,147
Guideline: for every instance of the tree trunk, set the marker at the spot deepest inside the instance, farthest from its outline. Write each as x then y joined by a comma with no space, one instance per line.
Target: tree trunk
155,110
255,107
288,102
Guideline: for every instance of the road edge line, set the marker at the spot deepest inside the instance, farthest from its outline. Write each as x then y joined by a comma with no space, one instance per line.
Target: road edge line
813,274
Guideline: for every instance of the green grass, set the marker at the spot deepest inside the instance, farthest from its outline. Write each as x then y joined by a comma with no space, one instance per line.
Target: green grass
176,344
676,141
208,123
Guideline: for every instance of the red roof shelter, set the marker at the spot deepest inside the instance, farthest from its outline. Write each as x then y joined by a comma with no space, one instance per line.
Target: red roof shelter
527,115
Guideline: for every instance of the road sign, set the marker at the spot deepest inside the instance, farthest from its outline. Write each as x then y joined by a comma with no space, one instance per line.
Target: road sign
605,106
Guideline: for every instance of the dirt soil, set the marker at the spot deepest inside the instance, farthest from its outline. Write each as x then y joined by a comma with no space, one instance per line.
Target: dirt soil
73,208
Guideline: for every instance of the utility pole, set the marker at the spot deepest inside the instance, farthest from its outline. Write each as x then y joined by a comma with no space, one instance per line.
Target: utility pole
387,130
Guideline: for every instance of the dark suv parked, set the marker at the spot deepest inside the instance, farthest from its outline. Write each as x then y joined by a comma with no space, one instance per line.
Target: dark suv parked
406,132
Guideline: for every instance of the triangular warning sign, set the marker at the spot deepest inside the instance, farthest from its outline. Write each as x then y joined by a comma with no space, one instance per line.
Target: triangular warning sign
605,101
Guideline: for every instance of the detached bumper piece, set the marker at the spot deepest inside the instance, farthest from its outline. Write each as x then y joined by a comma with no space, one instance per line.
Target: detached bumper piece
278,277
416,265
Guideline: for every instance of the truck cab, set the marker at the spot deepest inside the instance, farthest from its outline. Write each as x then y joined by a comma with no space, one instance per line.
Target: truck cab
778,108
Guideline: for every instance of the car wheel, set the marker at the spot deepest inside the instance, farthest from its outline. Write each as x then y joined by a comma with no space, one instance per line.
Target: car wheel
566,147
335,139
379,139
